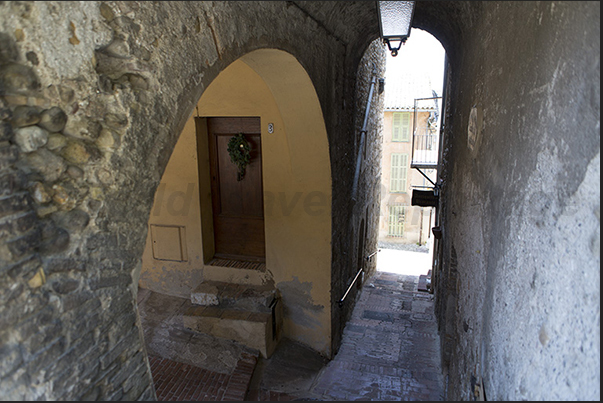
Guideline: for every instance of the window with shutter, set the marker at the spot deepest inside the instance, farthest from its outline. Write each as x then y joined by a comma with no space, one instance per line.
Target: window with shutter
395,223
399,172
401,126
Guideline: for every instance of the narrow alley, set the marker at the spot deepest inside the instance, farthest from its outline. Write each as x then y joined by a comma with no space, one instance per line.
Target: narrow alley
390,351
196,197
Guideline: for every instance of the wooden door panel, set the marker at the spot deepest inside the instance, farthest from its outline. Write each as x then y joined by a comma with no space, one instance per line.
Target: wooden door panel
238,206
240,198
251,187
229,201
235,237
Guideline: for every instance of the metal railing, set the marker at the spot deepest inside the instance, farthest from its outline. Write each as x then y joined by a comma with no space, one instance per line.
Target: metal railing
425,147
340,302
426,137
367,258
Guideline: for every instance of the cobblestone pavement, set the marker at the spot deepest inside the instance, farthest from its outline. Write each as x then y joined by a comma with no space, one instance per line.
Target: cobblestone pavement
390,348
390,351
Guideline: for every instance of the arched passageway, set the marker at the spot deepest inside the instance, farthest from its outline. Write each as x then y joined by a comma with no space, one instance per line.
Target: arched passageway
95,95
294,187
127,77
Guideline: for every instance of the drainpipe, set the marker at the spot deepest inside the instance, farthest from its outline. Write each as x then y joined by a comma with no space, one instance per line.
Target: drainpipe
363,137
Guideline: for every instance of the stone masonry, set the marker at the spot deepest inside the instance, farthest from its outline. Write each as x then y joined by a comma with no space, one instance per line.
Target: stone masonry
93,97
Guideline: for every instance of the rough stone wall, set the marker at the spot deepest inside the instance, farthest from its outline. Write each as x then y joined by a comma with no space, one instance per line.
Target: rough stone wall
363,208
94,96
519,284
70,327
521,205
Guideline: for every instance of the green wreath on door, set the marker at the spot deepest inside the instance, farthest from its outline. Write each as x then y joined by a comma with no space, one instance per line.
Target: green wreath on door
238,150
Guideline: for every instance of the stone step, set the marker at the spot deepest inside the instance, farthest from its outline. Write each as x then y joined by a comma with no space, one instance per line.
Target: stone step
229,295
257,328
425,282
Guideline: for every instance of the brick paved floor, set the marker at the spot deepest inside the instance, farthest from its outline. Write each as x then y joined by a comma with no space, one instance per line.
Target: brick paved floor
187,365
175,381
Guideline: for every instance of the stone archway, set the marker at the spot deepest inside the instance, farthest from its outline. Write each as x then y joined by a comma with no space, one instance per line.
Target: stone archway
269,84
75,208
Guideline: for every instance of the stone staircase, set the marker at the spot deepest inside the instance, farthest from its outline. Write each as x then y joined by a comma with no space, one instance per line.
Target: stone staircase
248,314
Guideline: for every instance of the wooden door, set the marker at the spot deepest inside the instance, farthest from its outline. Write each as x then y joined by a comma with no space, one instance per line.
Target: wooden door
238,206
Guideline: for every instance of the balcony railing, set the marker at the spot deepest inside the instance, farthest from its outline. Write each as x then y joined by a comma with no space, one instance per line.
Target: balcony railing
425,148
426,134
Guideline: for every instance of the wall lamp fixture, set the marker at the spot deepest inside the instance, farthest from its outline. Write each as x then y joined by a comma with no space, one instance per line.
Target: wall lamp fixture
395,18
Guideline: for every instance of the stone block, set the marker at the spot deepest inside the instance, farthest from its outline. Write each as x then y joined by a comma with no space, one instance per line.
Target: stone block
251,328
75,220
53,119
205,294
108,140
213,312
121,325
10,182
82,127
6,131
235,314
240,296
46,357
128,369
65,286
24,245
16,78
40,193
83,301
8,48
118,396
30,138
63,265
15,386
57,243
18,203
76,153
18,226
40,339
8,155
11,294
56,141
23,269
120,280
132,339
47,164
25,115
133,382
5,114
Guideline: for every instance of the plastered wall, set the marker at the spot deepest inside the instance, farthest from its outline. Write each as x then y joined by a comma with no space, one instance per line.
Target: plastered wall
519,287
296,184
416,224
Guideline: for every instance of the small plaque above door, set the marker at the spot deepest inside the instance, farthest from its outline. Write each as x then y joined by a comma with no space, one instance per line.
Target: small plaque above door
169,242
